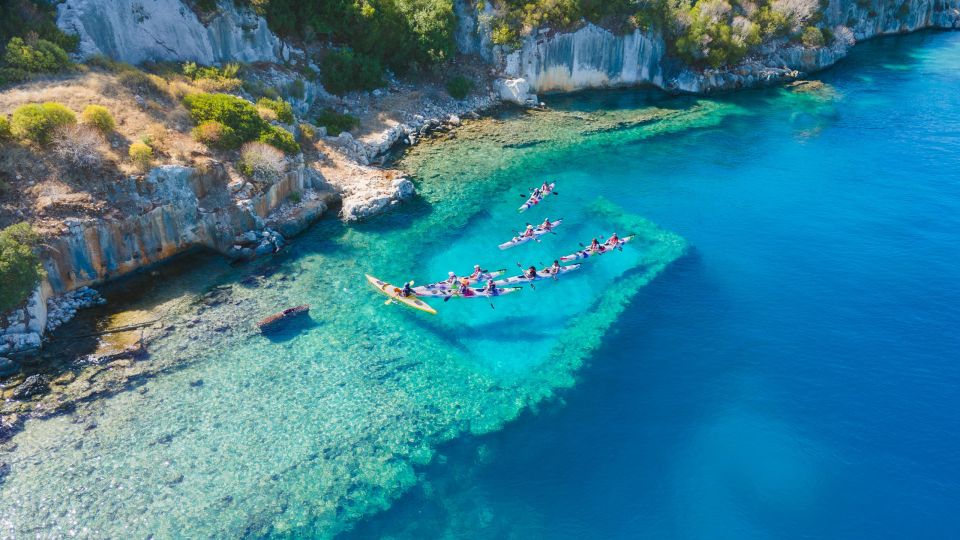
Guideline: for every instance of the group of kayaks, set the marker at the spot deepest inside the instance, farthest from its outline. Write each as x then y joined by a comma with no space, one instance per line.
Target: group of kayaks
493,283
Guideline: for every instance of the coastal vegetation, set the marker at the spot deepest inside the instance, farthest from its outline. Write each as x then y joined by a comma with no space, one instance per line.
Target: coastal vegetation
239,122
37,123
99,117
336,122
32,43
459,86
20,268
141,154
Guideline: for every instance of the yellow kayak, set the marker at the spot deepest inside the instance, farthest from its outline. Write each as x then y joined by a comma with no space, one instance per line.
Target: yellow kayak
394,293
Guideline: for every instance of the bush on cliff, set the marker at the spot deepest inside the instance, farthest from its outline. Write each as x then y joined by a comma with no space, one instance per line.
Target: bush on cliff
78,146
262,162
281,109
813,37
5,133
344,71
398,34
215,135
20,269
335,122
141,155
241,118
37,123
459,86
212,78
98,117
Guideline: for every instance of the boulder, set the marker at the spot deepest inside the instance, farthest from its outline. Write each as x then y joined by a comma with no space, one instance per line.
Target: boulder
515,91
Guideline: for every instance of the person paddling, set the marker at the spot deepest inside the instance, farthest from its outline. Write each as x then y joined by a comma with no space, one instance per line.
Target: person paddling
477,272
464,289
530,273
595,245
554,268
451,279
546,225
613,240
490,288
528,233
545,188
407,290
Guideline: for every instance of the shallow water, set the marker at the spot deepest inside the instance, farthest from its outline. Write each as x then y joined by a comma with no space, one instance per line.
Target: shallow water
790,374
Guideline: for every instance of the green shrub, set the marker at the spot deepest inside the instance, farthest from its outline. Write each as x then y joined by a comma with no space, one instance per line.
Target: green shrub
297,88
5,133
43,56
215,135
504,34
99,117
812,37
307,133
280,138
295,197
212,78
37,123
233,112
711,38
283,109
459,86
20,269
344,71
335,122
141,155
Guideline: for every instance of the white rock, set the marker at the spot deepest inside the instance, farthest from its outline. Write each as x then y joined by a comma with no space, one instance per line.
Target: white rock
515,91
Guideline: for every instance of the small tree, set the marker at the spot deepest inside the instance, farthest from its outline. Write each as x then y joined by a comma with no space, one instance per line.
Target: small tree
142,155
78,146
5,133
262,162
99,117
20,269
335,122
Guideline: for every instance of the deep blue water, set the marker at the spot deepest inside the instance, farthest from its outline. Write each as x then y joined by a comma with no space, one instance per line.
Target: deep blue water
796,374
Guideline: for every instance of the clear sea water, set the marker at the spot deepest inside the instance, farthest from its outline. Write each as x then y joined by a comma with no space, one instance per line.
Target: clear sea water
775,357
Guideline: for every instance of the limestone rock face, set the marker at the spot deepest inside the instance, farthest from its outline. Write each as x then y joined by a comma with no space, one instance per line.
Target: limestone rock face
590,57
135,31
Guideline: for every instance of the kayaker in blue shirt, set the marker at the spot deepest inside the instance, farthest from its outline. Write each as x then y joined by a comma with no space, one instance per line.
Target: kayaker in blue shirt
407,290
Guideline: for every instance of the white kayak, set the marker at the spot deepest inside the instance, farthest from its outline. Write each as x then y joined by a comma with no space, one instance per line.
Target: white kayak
535,199
472,292
425,290
590,252
541,274
537,232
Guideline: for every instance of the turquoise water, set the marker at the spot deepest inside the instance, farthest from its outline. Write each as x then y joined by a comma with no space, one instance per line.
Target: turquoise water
772,358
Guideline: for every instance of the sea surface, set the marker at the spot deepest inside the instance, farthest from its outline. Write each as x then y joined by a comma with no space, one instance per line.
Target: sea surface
774,356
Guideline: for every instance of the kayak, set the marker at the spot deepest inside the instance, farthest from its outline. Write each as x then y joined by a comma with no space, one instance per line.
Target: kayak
424,290
473,292
538,231
394,293
535,199
604,248
541,274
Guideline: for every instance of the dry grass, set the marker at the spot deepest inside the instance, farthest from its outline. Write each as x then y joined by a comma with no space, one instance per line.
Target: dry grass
46,185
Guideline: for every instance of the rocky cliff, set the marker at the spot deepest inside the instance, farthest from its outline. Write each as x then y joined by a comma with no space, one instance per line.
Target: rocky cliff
191,208
135,31
592,57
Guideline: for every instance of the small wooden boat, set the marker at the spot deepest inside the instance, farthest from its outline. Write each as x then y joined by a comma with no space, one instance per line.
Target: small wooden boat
289,313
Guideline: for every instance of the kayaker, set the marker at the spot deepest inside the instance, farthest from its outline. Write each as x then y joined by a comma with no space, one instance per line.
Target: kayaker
613,240
546,225
536,194
490,288
530,273
451,279
554,268
407,290
477,272
595,245
464,289
528,233
545,188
